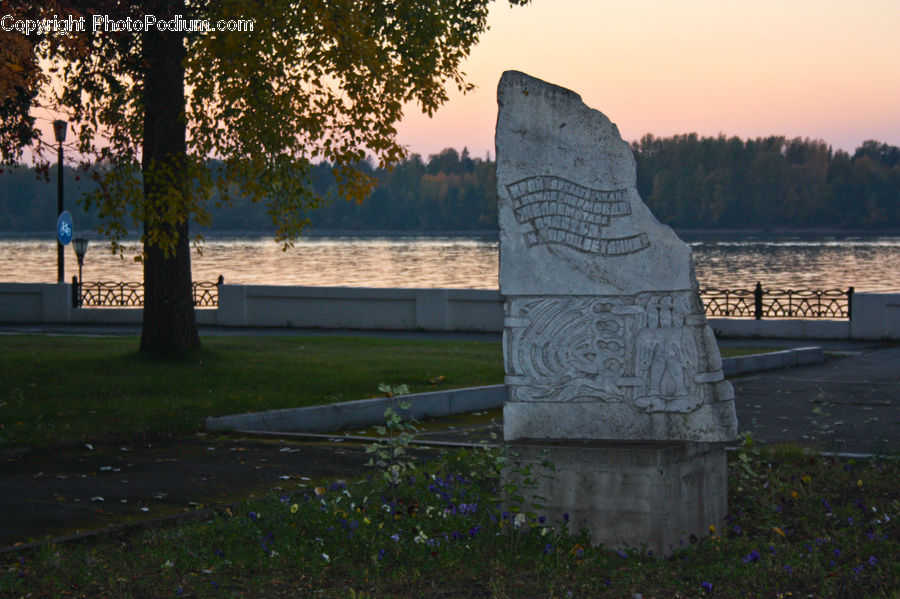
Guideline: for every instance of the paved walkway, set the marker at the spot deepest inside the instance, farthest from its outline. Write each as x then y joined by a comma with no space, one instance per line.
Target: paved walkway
848,404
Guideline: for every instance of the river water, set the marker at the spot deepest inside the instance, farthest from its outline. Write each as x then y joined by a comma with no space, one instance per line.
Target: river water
866,263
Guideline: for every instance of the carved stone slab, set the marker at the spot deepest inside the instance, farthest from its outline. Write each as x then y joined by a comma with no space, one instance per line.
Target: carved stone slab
605,335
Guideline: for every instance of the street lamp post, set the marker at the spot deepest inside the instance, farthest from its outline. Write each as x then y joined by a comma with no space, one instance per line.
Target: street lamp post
59,130
80,244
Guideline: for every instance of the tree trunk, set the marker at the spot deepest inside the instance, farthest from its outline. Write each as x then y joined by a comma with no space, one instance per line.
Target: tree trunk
169,322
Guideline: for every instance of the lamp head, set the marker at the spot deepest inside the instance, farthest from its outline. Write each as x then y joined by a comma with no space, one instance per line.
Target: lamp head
80,244
59,130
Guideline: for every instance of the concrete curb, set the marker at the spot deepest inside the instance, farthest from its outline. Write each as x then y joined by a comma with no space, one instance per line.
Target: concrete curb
801,356
364,413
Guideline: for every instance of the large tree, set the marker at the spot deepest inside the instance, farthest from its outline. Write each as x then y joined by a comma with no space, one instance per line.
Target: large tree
152,99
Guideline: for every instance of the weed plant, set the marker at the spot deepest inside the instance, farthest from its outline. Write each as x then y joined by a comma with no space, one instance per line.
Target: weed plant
799,525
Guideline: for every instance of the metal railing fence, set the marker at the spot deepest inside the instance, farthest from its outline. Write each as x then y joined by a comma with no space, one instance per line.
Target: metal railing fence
761,303
755,303
118,294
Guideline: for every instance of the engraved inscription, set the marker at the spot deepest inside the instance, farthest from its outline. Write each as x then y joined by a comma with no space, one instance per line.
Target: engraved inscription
553,210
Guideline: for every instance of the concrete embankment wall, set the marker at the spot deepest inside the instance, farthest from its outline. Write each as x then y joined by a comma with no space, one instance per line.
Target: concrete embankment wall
875,315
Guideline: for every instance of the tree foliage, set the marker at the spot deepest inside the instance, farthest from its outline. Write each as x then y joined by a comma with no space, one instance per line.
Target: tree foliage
318,80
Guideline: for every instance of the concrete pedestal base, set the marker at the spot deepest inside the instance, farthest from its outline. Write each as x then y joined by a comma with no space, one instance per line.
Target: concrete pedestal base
629,493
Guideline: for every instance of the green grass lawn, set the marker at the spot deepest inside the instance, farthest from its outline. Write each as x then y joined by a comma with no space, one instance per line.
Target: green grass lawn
65,389
799,525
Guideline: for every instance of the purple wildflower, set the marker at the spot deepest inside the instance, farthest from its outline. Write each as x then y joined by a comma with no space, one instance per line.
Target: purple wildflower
542,519
548,549
788,569
753,556
566,517
837,552
622,554
253,516
474,531
381,553
872,561
706,586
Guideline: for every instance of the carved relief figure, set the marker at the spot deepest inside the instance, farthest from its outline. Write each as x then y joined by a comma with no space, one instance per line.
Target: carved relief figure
570,349
665,359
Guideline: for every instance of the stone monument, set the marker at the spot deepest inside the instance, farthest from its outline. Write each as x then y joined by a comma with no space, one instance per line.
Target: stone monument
610,364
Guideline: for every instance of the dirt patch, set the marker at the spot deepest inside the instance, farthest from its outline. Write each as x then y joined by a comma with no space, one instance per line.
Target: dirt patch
60,492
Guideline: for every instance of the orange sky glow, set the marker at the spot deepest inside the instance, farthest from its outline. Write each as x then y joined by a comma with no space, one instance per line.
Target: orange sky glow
823,69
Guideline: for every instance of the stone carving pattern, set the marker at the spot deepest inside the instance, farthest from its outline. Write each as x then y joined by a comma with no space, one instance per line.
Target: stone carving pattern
644,350
554,210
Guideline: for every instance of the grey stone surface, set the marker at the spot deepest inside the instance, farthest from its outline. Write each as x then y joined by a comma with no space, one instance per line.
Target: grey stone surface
629,494
604,332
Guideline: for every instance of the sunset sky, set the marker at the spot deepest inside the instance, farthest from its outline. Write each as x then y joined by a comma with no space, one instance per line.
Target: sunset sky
822,69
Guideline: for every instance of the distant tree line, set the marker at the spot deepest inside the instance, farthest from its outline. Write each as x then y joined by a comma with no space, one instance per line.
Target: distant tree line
725,182
688,182
450,192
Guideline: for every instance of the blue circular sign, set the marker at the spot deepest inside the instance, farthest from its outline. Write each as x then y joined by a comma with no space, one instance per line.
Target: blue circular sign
64,227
